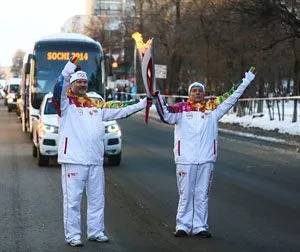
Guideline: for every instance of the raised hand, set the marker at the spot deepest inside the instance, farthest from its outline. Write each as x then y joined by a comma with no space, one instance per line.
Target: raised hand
250,75
70,67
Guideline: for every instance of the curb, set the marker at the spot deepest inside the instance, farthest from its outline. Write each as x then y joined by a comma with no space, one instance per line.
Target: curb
262,140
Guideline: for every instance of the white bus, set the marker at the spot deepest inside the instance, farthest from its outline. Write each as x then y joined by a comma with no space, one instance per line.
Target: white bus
43,66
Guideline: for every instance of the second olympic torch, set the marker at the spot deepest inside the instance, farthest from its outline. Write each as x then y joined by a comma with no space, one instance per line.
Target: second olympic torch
146,56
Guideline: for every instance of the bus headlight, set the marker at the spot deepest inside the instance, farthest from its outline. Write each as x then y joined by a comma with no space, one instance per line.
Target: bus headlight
112,128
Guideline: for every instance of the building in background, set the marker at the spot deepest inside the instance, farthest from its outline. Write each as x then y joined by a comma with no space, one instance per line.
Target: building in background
112,10
111,13
75,24
110,16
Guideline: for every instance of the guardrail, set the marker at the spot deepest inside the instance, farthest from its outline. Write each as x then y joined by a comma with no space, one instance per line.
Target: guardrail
276,107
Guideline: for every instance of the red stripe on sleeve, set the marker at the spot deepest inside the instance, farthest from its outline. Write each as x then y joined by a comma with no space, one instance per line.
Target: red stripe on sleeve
66,145
214,147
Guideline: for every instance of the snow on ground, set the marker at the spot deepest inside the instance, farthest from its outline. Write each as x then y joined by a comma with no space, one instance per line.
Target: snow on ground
264,122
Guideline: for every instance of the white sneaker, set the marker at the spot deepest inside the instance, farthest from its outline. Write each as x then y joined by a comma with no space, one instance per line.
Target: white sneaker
75,243
100,238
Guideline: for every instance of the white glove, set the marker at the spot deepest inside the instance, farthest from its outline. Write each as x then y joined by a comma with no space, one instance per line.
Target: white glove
249,76
68,69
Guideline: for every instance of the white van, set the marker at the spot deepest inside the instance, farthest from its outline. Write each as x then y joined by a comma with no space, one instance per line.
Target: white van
11,91
3,84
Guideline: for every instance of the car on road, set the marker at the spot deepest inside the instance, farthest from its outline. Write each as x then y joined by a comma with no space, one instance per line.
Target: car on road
3,84
45,134
11,91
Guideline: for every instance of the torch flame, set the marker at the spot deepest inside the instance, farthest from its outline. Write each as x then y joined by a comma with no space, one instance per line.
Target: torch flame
141,46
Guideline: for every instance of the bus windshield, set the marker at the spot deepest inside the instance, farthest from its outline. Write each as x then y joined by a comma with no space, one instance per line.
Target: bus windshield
50,60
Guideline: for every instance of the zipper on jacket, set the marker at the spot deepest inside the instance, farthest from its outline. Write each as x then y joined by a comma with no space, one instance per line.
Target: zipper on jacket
66,145
178,147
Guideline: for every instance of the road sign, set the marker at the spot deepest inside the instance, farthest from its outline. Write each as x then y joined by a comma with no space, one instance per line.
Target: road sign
160,71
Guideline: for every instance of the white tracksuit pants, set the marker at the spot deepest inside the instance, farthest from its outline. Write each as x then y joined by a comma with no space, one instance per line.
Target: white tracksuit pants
193,182
74,179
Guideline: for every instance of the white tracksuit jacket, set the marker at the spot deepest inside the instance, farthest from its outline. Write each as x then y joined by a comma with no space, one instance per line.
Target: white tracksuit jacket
81,129
195,151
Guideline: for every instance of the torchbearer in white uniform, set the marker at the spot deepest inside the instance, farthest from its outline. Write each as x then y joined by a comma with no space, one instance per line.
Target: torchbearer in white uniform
195,150
81,151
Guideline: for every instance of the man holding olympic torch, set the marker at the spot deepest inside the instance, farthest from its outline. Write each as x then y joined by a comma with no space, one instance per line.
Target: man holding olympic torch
81,150
195,150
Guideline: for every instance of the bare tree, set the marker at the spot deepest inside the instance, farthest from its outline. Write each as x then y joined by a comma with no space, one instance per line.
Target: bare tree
284,17
216,40
17,66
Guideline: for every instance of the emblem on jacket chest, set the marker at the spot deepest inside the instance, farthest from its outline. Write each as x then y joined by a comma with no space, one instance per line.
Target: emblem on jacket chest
80,112
93,112
189,115
204,115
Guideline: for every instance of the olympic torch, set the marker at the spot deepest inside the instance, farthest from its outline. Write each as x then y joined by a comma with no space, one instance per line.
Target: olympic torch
146,56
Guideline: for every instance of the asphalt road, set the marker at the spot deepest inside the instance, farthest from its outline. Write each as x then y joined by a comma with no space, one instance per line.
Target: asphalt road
254,203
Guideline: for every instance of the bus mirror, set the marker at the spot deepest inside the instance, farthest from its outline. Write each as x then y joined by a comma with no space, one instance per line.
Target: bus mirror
27,68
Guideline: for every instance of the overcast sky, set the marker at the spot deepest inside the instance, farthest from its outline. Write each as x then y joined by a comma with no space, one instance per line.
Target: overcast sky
24,21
